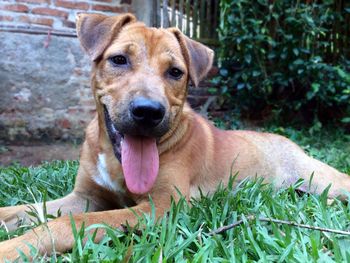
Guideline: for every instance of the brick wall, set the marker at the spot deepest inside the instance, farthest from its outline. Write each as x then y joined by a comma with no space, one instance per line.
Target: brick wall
58,15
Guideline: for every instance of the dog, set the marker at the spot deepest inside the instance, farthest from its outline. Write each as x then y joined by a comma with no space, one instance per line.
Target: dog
145,140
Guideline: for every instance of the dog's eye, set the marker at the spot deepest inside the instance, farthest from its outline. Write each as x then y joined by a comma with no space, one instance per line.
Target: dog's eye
118,60
175,73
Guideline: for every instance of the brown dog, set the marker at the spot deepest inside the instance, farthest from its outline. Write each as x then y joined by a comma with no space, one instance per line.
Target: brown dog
145,140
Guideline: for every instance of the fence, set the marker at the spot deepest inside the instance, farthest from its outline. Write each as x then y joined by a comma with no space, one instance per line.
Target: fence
338,35
196,18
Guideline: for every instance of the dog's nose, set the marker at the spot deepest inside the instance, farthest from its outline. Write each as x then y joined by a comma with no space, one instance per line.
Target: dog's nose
146,112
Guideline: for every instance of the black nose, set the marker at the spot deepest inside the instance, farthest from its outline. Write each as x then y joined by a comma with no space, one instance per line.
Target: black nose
146,112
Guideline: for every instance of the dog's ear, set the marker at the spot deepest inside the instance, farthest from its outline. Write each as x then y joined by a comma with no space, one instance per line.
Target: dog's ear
96,31
198,57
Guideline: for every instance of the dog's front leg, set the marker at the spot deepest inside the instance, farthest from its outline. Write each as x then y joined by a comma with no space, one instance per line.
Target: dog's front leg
57,236
13,216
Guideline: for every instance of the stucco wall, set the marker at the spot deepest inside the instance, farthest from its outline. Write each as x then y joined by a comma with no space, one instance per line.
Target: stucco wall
45,91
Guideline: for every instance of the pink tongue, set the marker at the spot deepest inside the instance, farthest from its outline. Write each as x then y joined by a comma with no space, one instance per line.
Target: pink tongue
140,162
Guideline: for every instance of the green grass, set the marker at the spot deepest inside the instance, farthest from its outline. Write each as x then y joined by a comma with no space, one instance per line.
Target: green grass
182,235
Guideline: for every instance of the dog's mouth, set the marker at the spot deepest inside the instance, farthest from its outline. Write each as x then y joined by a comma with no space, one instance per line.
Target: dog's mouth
114,135
138,156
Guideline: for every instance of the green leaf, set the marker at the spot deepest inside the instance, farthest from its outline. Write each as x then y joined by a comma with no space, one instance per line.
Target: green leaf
223,72
248,58
315,87
299,62
157,257
310,95
296,51
256,73
346,120
271,55
212,90
240,86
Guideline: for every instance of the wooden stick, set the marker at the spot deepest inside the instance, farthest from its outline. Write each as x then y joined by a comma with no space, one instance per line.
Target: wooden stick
277,221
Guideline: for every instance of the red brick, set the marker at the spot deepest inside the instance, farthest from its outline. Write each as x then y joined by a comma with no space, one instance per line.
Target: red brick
38,21
24,19
35,1
49,12
64,123
129,9
88,103
6,18
15,8
78,72
72,4
44,21
72,110
115,9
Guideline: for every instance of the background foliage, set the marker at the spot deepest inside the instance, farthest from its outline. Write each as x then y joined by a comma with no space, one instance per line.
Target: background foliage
289,57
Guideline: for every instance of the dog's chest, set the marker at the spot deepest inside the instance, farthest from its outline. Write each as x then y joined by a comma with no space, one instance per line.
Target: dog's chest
104,179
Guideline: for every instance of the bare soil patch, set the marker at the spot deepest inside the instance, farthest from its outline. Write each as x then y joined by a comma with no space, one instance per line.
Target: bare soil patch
37,153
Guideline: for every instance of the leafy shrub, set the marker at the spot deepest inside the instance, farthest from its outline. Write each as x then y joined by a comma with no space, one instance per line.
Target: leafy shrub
284,56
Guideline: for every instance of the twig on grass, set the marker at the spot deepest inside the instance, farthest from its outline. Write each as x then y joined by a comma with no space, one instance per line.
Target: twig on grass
277,221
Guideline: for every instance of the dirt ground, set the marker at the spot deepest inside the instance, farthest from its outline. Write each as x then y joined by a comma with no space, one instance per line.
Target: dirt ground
35,154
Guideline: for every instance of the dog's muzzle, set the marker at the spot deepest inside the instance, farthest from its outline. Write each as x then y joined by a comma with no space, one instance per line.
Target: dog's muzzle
135,143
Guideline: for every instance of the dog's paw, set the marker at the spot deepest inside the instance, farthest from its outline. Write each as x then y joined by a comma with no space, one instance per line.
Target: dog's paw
12,217
5,217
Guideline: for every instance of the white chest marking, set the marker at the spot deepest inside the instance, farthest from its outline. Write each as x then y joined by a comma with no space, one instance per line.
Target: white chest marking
103,178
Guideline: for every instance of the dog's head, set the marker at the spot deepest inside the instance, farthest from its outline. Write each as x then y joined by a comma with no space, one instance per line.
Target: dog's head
140,81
